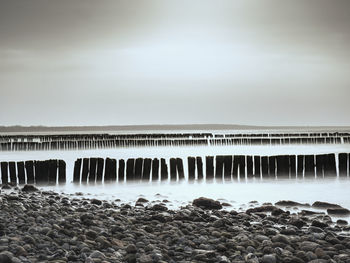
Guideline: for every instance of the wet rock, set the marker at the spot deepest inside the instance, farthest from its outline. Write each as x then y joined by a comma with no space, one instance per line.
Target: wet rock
207,203
325,205
268,258
96,202
142,200
338,211
290,203
29,188
131,249
342,222
319,224
4,258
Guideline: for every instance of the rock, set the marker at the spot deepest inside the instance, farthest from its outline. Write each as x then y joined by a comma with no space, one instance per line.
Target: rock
268,258
338,211
159,207
142,200
281,238
297,222
290,203
325,205
207,203
96,202
131,249
6,187
308,246
29,188
342,222
4,258
319,224
145,259
97,254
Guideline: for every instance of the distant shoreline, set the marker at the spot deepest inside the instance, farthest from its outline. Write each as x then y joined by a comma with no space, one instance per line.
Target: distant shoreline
166,127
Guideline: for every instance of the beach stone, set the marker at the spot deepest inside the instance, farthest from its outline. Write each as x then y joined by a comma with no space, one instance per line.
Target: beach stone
142,200
290,203
319,224
268,258
131,249
308,246
207,203
342,222
4,258
29,188
325,205
96,202
97,254
338,211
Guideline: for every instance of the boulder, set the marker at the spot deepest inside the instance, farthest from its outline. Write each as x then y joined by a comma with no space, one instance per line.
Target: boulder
207,203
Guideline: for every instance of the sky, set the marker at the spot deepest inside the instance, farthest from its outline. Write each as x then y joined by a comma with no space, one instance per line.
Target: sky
113,62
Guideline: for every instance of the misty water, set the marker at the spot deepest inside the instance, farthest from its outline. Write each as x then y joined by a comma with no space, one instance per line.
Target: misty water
238,192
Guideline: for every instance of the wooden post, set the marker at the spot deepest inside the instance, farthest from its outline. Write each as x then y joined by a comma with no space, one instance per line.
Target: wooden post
99,173
138,168
191,167
85,172
219,167
61,172
180,168
130,169
13,175
76,173
121,171
228,162
164,169
4,172
249,166
52,177
29,165
199,167
21,173
146,173
257,166
155,169
92,172
173,176
209,167
110,170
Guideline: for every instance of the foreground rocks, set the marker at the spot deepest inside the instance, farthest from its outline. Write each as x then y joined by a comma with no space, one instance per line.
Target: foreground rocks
49,227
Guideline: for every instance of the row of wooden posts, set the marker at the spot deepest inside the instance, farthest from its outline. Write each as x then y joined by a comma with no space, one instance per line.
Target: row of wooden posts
221,167
114,143
48,172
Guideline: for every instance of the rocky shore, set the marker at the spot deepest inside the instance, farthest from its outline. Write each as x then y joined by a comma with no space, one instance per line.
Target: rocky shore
41,226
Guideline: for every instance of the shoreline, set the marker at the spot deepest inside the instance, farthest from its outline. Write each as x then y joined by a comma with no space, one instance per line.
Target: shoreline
46,226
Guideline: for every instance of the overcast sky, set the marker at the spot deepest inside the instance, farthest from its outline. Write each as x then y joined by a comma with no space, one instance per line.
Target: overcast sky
263,62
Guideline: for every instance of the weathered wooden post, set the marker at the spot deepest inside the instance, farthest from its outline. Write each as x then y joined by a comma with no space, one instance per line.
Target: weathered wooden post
228,162
272,166
257,166
21,173
199,167
52,164
173,169
138,168
121,171
61,172
283,165
343,164
99,172
300,166
163,169
92,170
29,165
13,175
309,166
110,170
219,167
292,162
191,167
76,172
329,167
130,169
4,172
85,172
264,166
209,166
249,166
147,165
180,168
155,169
